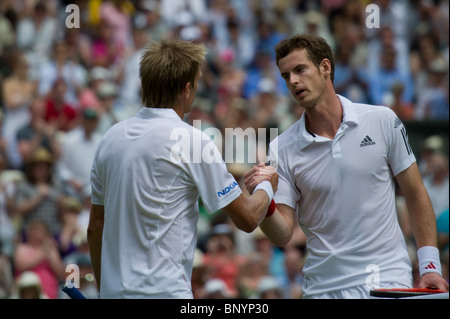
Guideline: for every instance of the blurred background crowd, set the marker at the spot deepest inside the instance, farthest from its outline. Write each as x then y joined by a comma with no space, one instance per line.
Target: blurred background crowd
61,88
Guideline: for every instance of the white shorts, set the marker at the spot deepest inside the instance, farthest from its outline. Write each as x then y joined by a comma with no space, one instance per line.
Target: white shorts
358,292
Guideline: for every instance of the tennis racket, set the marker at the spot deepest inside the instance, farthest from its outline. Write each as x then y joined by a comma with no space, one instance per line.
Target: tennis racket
72,292
404,292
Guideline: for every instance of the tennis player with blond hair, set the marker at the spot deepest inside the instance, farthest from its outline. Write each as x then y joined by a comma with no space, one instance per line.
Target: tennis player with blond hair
145,190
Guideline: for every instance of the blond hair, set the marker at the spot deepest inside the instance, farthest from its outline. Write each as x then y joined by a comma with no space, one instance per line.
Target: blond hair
165,69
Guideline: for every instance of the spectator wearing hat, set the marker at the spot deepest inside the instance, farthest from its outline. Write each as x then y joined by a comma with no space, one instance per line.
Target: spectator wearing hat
29,286
38,196
216,289
70,209
431,145
269,288
109,107
78,150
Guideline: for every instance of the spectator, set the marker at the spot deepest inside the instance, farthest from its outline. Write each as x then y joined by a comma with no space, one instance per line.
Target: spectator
70,208
6,275
7,34
59,113
36,33
78,150
37,133
130,84
149,19
251,274
433,103
404,110
18,91
110,108
39,254
60,65
216,289
7,228
269,288
293,279
38,196
384,77
348,80
272,256
437,183
431,145
29,286
220,258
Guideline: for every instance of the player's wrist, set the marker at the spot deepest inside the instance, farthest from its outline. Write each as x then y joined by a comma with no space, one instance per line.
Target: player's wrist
267,187
429,261
271,209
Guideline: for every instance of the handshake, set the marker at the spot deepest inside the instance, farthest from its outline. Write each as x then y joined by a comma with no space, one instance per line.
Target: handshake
260,173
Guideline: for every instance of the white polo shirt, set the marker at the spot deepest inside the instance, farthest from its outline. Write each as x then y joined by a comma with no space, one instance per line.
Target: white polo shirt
344,193
149,185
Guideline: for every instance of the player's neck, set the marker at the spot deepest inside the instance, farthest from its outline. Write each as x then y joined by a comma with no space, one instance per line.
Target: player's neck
325,118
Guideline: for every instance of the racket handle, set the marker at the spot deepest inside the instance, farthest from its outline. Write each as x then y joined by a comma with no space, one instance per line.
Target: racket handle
72,292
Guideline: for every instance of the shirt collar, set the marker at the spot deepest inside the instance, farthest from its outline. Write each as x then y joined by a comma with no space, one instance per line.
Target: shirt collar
153,112
349,118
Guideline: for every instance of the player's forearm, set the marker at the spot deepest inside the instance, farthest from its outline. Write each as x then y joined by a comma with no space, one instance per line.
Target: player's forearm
95,250
247,211
277,228
94,236
423,220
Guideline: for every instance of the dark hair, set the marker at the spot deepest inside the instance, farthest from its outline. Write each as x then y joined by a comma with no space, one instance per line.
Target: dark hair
316,46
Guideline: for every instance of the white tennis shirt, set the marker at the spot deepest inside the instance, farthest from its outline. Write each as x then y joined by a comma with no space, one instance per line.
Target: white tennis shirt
149,185
344,193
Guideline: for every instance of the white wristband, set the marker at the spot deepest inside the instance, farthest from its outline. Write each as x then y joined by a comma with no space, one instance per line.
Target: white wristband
429,260
267,187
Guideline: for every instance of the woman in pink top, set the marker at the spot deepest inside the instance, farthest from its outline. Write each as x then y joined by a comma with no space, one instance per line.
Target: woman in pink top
39,253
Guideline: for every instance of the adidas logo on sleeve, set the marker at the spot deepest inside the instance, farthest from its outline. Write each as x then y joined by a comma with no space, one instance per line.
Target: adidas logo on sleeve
367,141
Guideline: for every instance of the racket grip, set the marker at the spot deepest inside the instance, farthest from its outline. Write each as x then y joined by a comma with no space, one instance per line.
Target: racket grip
72,292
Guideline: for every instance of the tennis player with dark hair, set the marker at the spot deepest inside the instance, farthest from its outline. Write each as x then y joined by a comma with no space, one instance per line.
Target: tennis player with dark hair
145,189
338,166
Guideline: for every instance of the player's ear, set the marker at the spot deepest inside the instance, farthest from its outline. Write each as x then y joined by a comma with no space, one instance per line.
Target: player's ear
325,67
187,89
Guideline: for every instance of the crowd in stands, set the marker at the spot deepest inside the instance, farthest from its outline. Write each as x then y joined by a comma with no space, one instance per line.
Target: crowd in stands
62,87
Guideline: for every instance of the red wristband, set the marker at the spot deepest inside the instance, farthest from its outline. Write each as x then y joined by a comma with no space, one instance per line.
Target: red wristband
271,208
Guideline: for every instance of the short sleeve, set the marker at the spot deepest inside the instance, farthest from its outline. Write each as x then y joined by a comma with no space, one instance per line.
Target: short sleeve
400,154
96,186
287,192
217,187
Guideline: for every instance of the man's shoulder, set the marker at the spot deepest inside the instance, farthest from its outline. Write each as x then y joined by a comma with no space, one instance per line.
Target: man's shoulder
289,135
